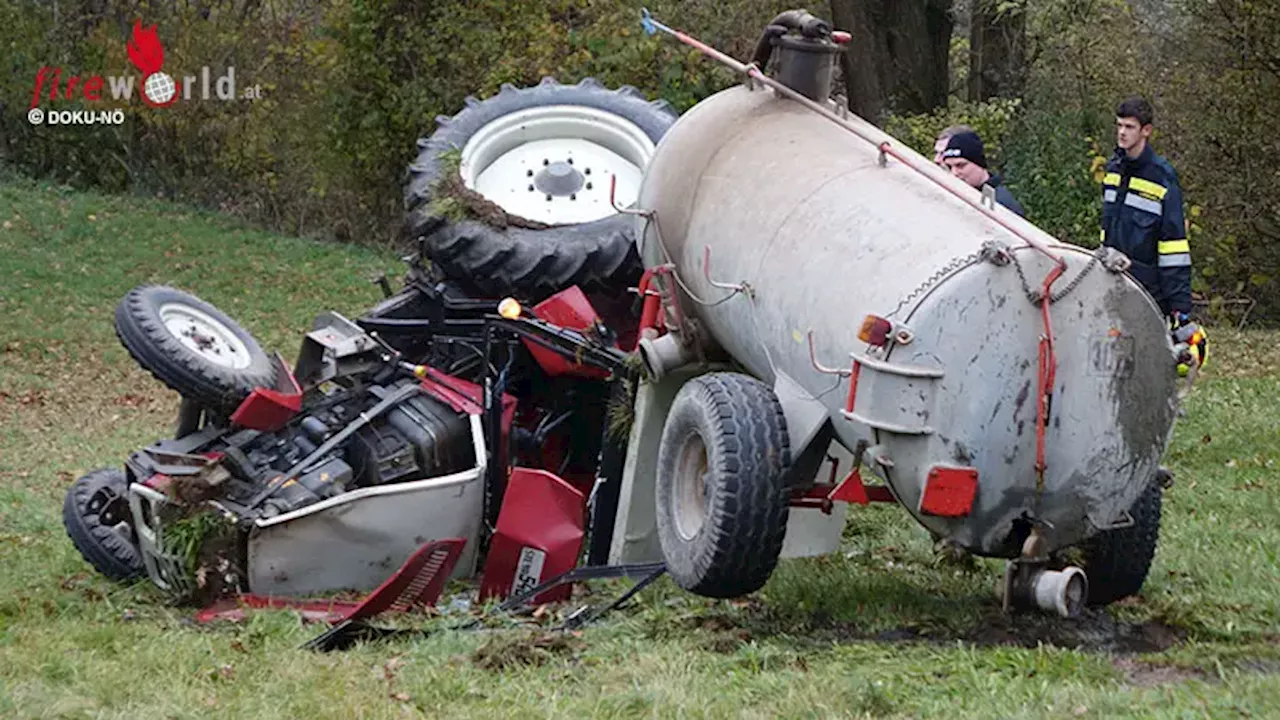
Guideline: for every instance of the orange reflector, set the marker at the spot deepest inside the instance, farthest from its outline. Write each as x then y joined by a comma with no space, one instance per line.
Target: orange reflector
875,330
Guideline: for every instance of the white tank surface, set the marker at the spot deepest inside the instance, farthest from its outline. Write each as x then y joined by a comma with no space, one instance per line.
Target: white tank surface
818,231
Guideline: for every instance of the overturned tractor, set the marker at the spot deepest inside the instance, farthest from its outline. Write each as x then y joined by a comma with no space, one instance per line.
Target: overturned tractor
632,337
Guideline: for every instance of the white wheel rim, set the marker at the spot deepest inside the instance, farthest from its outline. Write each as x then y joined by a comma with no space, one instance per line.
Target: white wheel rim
568,153
691,491
205,336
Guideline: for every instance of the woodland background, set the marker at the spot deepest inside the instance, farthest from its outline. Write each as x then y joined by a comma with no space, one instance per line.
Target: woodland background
350,86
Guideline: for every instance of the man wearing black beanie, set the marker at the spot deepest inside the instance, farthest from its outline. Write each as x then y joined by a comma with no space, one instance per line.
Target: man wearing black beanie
966,158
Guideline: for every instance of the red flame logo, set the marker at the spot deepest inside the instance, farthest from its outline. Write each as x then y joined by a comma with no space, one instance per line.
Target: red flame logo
145,49
146,52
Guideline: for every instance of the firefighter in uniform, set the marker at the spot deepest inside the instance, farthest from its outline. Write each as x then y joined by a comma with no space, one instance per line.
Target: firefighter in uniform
1142,218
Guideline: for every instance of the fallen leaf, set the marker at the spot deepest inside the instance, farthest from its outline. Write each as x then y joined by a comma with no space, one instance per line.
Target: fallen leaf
401,696
1231,463
8,225
93,218
238,646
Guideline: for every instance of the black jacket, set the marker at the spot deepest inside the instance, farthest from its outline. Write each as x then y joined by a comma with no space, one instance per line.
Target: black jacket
1142,218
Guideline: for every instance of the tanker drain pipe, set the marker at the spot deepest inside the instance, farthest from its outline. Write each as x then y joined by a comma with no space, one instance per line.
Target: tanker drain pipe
753,71
1062,592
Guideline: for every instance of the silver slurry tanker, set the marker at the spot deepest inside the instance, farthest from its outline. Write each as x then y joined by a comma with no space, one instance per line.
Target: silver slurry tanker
781,229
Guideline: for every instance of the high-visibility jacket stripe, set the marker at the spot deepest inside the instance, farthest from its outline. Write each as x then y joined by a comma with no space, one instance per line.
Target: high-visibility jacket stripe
1169,247
1177,260
1142,203
1111,179
1109,196
1148,187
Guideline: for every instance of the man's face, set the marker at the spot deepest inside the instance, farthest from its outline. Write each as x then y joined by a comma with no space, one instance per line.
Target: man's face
1130,133
938,146
970,172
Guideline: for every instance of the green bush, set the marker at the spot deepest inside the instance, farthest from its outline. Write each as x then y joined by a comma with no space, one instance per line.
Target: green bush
349,87
990,119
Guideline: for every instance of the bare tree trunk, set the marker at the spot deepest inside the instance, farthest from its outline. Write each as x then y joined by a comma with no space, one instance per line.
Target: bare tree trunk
997,49
898,59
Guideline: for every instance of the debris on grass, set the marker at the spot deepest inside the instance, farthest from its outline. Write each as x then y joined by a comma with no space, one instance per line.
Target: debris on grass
525,650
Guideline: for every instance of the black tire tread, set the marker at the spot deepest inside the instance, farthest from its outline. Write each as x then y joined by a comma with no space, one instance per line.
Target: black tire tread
151,345
749,512
103,548
1117,561
526,262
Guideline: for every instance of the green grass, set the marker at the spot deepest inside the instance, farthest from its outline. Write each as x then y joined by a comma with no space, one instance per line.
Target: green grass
880,629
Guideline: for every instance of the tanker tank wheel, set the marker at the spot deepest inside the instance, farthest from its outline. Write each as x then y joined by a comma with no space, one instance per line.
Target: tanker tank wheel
1117,561
723,493
192,347
95,514
511,195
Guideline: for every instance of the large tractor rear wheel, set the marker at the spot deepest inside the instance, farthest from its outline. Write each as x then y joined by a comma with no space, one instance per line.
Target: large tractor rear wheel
723,494
511,195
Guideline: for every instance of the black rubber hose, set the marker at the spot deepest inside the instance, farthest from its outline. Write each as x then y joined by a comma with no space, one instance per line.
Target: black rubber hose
805,22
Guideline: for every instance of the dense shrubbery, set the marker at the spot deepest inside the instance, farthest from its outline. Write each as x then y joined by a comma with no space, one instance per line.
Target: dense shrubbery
349,87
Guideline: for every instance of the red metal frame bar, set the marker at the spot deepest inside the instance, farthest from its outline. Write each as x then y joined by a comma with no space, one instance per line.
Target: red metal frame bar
823,496
853,386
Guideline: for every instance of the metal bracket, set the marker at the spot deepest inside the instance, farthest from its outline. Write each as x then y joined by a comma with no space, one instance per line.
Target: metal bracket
813,360
989,196
706,273
996,253
1114,260
1126,520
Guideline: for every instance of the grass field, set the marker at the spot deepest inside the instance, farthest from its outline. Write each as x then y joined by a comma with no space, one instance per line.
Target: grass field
882,629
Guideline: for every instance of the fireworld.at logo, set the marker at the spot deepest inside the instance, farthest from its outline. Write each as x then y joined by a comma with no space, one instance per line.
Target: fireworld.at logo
159,88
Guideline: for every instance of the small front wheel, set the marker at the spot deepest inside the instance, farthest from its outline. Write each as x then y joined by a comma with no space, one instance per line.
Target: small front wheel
723,490
96,516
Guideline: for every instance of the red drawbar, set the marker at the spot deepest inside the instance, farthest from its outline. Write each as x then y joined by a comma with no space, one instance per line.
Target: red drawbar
418,583
539,534
569,309
268,409
949,491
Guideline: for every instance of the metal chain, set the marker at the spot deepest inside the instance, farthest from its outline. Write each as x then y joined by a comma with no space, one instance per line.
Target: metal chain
1035,296
988,251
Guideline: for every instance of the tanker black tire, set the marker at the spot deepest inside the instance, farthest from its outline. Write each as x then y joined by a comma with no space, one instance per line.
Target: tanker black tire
723,485
195,375
1117,561
525,262
95,513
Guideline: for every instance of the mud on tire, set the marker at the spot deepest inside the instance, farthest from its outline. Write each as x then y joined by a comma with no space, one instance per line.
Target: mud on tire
95,514
723,494
1117,561
192,347
530,262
